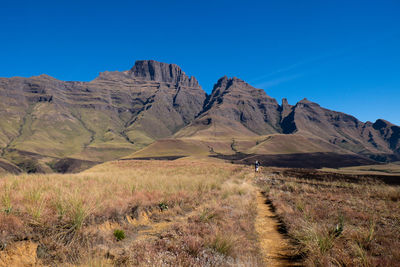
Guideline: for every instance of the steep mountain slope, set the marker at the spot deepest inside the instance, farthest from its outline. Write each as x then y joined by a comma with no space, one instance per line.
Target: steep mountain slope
235,108
155,109
372,139
238,118
107,118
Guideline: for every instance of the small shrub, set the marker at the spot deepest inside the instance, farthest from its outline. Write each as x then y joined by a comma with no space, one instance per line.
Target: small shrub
119,234
163,206
8,210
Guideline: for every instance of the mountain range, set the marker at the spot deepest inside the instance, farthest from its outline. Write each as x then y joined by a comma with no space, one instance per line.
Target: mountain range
155,110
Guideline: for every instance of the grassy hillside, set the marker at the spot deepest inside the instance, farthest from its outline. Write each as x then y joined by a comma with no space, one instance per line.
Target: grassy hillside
251,145
47,133
292,143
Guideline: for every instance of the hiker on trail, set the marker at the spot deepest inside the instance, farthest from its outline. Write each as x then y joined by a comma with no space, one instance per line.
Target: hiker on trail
257,166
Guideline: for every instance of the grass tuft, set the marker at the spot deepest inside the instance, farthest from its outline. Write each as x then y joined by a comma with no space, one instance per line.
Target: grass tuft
119,234
223,244
6,199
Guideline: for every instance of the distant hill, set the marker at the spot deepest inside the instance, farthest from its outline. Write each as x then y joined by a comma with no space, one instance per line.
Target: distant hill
155,109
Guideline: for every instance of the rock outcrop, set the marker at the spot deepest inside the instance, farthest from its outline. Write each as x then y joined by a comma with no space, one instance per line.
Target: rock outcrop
235,101
151,70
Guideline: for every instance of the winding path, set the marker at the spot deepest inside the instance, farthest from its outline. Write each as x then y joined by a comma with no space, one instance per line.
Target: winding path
274,246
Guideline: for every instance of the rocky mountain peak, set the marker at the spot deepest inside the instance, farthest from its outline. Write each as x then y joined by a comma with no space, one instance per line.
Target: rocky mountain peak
152,70
306,103
285,108
44,76
224,83
285,103
379,124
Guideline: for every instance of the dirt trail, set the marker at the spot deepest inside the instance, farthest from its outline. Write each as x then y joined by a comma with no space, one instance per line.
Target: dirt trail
274,246
20,254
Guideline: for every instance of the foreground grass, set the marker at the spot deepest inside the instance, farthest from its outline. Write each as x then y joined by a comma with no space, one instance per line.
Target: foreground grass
146,213
337,223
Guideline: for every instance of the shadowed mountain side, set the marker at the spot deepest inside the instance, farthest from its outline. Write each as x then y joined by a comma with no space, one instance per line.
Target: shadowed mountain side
6,166
71,165
343,130
235,100
235,109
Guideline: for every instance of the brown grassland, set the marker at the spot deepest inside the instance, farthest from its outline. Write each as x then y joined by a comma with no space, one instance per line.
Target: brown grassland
337,222
193,212
187,212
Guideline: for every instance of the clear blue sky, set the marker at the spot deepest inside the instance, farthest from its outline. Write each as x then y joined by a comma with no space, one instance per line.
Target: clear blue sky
345,55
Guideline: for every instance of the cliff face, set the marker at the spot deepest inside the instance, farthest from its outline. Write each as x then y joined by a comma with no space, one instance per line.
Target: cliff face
234,100
341,129
150,70
235,108
121,112
109,117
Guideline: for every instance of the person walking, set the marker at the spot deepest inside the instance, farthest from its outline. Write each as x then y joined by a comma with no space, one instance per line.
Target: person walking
257,166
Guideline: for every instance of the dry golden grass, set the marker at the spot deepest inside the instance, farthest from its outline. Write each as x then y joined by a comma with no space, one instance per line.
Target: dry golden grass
338,223
184,212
